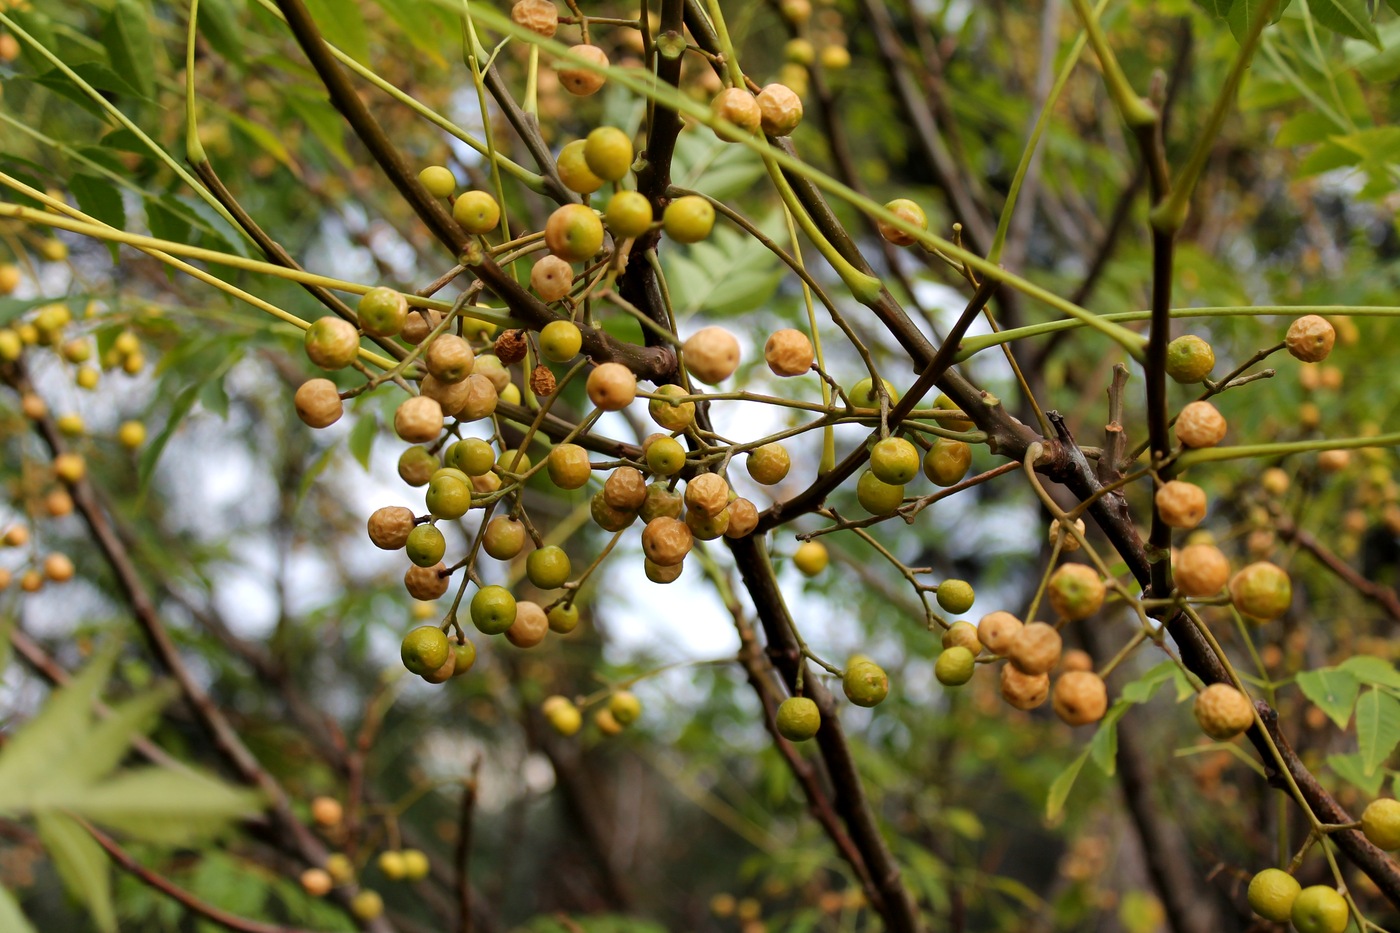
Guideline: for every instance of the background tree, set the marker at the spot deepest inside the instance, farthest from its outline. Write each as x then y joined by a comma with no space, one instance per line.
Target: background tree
816,457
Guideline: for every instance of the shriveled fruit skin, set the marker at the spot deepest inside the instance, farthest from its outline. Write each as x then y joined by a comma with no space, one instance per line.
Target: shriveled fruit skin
1223,712
1079,698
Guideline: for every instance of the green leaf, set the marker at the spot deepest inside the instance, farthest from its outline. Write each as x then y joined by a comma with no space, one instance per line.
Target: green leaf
362,436
342,25
1145,686
81,865
11,918
1331,690
178,410
127,38
1325,158
1373,671
1217,8
1377,727
101,199
1303,128
1061,786
1348,17
1103,747
158,805
1349,768
108,741
1240,15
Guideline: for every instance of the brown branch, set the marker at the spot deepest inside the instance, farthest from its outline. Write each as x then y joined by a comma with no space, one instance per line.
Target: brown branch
464,849
1383,596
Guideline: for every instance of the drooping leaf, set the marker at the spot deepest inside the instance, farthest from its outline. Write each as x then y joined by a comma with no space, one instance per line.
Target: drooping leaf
108,741
81,865
361,440
1331,690
126,36
342,25
1348,17
1062,785
1103,747
1216,8
11,918
1368,669
100,198
1377,727
158,805
1350,769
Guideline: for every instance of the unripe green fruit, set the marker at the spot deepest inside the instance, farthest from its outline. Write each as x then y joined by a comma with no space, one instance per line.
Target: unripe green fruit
448,497
625,707
563,618
811,558
439,180
606,517
665,456
382,312
493,610
1261,591
628,214
548,567
466,657
332,343
1075,591
661,503
894,460
424,649
476,211
560,341
391,863
954,666
707,527
1272,893
415,864
574,171
955,596
1319,909
472,455
673,416
946,461
568,466
798,719
688,219
878,497
865,683
768,464
563,716
366,904
907,211
1380,821
504,537
863,394
574,232
513,461
425,545
608,152
1189,359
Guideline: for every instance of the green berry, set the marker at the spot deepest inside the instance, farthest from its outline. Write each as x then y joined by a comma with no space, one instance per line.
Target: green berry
548,567
865,683
391,864
424,649
1261,591
673,416
894,460
476,211
568,466
425,546
448,497
811,558
946,461
1380,821
493,610
876,496
625,707
688,219
417,466
1319,909
608,152
563,618
382,312
954,666
955,596
439,180
665,456
574,171
628,214
574,232
560,341
798,719
1189,359
1272,893
907,211
863,394
504,537
473,456
513,461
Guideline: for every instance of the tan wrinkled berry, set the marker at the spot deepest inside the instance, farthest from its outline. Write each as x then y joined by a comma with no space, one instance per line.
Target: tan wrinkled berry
1181,504
1274,481
658,573
530,626
449,358
997,630
743,518
419,324
1036,648
1076,591
332,343
1200,424
318,403
711,354
1022,690
707,494
418,420
789,352
1310,338
450,396
666,541
1080,698
611,386
551,278
389,527
739,107
625,489
1201,570
1068,542
1223,712
1333,461
538,16
481,398
962,634
1076,660
426,583
707,527
780,109
1261,591
59,568
581,81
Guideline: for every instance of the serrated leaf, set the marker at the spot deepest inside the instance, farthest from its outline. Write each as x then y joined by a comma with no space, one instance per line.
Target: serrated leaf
1371,670
1062,785
361,440
1331,690
156,805
11,918
126,36
1348,17
1350,769
110,739
1377,728
81,865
